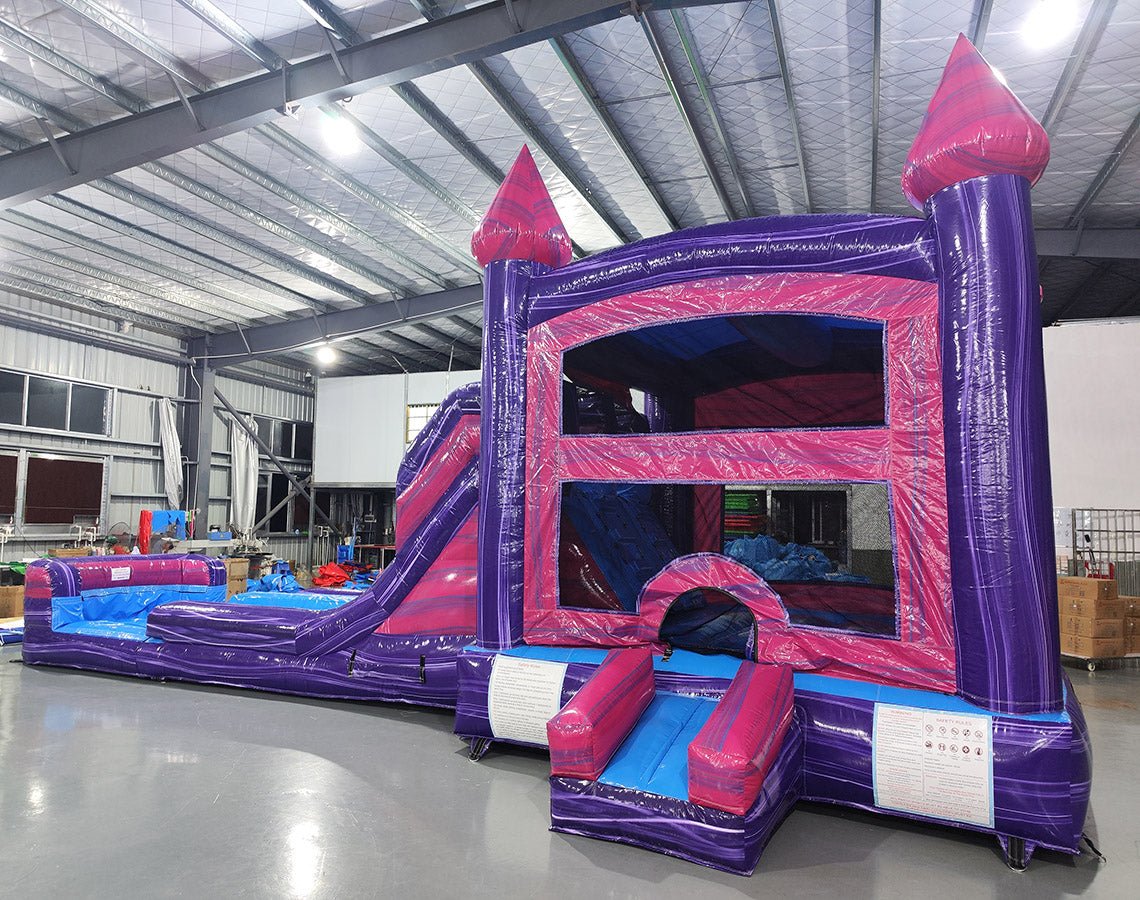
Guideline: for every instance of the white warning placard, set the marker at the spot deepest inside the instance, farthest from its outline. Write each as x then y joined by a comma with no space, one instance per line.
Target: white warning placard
524,695
120,573
934,763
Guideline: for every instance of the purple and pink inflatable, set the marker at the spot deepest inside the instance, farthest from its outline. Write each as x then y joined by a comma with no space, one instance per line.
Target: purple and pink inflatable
865,393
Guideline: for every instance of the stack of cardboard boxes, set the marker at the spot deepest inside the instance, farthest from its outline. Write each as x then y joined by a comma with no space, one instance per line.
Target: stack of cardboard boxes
1131,624
237,573
1092,618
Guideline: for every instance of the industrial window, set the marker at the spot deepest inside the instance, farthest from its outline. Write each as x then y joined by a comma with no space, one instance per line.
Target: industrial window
8,464
417,417
40,402
11,398
62,489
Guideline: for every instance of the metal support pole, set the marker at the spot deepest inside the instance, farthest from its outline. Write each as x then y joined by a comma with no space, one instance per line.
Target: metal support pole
268,451
200,435
312,528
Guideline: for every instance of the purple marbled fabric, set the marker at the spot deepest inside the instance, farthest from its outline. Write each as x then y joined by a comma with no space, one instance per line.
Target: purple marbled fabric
501,453
699,834
875,245
463,401
997,447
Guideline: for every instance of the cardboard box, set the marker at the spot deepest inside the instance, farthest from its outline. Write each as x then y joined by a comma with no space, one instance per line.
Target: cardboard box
62,552
1132,634
1078,626
11,602
1090,608
1091,648
236,567
1087,588
1131,605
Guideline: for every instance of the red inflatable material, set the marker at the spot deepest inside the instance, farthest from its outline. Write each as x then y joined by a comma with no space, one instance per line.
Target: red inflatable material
587,732
731,755
975,125
521,222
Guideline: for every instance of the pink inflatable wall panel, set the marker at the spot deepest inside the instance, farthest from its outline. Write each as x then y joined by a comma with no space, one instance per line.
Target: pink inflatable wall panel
907,454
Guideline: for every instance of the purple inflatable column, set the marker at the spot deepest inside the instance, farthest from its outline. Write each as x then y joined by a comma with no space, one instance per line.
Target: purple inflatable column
972,165
501,455
519,237
997,447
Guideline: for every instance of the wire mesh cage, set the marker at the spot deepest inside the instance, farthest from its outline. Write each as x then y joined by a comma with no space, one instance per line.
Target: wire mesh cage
1104,542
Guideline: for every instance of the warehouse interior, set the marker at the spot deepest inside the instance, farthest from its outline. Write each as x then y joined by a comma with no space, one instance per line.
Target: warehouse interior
238,295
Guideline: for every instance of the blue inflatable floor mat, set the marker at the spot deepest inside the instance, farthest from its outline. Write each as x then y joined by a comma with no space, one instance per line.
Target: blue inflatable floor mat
655,756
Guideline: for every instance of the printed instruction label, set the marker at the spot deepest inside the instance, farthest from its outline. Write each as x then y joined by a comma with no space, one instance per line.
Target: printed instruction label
934,763
120,573
523,696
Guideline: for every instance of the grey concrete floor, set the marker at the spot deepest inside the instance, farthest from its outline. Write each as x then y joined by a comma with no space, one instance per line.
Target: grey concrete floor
114,787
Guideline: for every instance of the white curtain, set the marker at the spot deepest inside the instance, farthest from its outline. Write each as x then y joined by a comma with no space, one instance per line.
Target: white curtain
171,452
243,477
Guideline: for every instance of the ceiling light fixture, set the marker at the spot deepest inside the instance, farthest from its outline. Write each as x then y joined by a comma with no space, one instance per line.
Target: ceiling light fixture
326,355
341,136
1049,23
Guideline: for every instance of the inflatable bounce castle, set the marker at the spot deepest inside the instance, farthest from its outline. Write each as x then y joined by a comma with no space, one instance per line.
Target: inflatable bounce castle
739,515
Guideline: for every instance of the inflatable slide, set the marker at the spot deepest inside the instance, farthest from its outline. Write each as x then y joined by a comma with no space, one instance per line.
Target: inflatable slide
166,617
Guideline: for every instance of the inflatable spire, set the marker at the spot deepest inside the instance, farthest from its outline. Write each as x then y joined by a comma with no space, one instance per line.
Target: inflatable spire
521,222
975,125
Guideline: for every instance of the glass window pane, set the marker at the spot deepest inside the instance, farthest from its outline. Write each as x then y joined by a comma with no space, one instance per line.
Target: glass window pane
60,490
282,439
7,486
11,398
47,403
303,440
89,409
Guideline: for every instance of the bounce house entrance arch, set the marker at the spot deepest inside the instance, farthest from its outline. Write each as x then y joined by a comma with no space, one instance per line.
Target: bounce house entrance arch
904,453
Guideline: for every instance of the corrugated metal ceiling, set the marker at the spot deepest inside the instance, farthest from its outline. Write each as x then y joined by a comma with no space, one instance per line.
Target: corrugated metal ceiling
270,223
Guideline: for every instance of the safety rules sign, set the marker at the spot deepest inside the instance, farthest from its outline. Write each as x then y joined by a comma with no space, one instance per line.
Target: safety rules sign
934,763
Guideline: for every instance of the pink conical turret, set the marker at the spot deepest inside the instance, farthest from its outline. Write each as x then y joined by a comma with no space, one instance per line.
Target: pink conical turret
975,125
521,222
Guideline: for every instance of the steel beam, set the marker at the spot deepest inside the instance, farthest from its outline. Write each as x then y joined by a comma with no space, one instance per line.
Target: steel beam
144,200
234,347
1092,29
200,436
183,305
166,245
1102,243
673,83
433,332
876,77
466,37
980,22
268,451
790,100
36,291
89,337
590,94
1100,272
122,191
688,47
1105,173
101,298
534,135
48,230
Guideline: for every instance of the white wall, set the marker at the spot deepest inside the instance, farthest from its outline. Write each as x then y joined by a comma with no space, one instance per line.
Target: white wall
359,423
1092,377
